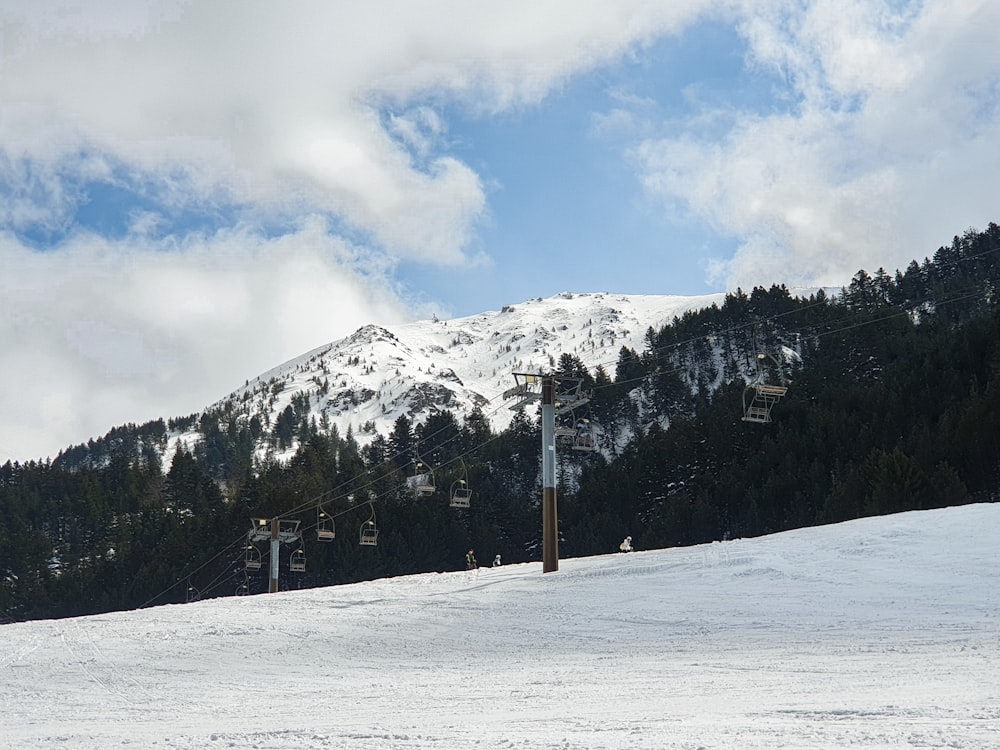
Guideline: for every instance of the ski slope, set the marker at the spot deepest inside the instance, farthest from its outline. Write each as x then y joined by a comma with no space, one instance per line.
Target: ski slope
878,633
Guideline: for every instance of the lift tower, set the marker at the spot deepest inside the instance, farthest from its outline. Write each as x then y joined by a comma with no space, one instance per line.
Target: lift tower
278,531
558,394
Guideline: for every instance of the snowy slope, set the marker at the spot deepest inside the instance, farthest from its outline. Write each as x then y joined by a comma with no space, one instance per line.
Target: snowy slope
367,380
878,633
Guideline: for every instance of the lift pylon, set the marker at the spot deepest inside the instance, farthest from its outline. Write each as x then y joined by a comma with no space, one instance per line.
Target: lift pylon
276,530
558,395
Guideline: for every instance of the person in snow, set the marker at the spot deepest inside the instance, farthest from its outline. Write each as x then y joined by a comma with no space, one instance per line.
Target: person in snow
496,561
626,545
470,560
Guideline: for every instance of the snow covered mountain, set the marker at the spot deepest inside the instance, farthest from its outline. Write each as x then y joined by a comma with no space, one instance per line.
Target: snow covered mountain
365,381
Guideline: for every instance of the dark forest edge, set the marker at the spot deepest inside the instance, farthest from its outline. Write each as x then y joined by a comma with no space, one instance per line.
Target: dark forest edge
893,405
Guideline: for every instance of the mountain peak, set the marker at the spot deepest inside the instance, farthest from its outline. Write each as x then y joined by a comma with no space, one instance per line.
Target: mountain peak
365,381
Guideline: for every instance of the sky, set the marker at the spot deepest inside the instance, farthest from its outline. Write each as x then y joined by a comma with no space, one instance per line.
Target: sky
878,633
192,193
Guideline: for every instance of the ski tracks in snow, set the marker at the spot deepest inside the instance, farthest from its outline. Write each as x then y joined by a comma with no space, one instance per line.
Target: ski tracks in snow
83,651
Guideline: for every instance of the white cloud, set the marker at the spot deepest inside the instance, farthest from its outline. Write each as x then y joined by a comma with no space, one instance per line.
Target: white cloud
419,128
97,334
275,102
886,145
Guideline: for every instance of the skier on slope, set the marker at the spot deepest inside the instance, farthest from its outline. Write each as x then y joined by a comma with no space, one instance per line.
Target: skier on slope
626,545
470,560
496,561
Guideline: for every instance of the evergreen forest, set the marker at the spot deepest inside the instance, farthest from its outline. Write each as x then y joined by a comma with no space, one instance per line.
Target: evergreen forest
892,404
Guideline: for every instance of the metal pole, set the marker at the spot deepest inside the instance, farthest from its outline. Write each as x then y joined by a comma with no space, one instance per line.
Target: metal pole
550,519
275,554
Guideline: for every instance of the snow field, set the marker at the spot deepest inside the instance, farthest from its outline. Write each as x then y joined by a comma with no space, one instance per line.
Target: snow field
878,633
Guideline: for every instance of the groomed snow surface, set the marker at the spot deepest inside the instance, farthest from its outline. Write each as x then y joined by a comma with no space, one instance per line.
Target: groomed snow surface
878,633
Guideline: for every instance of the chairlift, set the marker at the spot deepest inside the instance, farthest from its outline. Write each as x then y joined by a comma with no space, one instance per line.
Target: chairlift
297,563
568,428
422,481
759,397
565,430
422,484
243,588
585,436
325,528
252,558
369,531
461,495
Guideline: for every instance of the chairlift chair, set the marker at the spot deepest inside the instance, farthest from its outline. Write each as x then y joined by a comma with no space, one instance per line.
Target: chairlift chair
422,482
252,558
566,430
584,438
297,563
461,495
325,528
369,532
759,397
